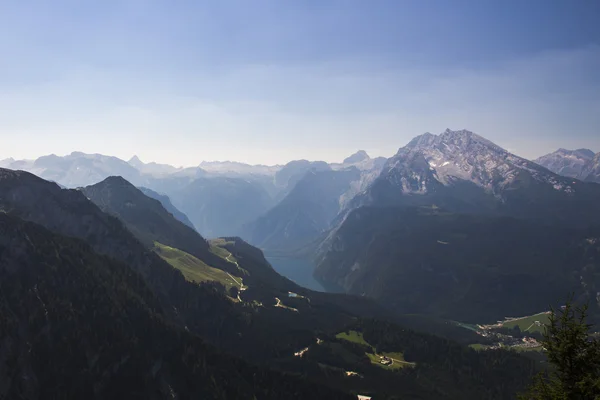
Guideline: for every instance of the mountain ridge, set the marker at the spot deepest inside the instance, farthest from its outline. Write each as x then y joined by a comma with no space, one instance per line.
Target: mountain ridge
569,163
463,172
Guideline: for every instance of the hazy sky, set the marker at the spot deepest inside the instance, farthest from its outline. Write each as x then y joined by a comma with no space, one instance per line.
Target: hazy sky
267,81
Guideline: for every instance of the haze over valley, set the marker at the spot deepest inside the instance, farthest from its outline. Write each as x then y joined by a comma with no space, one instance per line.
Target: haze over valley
300,200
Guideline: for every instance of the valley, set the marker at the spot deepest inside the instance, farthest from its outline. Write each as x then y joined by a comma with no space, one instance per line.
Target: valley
294,200
298,270
347,275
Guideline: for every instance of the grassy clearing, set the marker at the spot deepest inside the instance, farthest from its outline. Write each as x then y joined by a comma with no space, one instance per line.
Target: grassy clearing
521,349
192,268
219,251
397,357
478,346
528,324
375,359
353,336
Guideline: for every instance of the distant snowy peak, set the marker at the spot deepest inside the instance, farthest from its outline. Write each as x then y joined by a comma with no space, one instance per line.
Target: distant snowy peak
234,167
152,168
570,163
461,155
6,162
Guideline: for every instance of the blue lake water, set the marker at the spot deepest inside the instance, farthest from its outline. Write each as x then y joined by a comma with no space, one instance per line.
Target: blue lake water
298,270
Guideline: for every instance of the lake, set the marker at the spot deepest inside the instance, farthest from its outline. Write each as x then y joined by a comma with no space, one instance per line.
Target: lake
298,270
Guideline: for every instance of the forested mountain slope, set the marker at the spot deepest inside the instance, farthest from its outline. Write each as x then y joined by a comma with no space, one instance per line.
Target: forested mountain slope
459,266
304,213
78,325
168,205
266,324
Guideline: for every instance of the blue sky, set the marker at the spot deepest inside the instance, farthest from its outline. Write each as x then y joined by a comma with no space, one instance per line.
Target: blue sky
268,81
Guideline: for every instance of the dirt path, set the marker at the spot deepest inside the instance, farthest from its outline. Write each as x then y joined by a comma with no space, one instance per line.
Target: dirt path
242,288
279,304
402,362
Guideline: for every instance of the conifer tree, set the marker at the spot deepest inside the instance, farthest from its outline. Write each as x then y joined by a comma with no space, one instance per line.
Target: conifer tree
574,357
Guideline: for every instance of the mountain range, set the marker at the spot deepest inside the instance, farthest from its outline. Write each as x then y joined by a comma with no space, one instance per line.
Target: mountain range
122,298
451,228
450,217
217,198
582,164
461,171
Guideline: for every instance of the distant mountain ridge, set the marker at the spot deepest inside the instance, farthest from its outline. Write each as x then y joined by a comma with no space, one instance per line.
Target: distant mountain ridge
593,170
570,163
238,167
166,202
304,213
152,168
216,198
357,157
308,210
464,172
581,164
458,170
77,169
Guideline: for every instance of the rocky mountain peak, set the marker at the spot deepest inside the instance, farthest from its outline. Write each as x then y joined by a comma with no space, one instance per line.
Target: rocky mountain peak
116,181
357,157
135,161
467,156
570,163
591,170
585,154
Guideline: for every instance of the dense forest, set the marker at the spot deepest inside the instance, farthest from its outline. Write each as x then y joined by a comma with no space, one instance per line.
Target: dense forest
462,267
78,325
104,304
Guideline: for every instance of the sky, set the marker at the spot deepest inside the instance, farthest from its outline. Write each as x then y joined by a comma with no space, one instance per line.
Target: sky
269,81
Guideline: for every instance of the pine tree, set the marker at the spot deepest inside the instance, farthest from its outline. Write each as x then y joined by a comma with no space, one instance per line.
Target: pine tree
574,358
